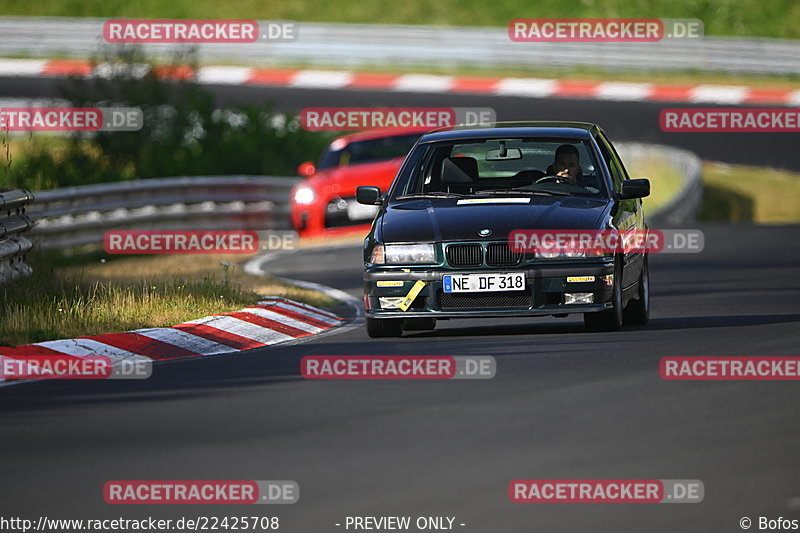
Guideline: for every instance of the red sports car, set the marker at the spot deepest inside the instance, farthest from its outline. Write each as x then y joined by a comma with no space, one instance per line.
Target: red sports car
325,202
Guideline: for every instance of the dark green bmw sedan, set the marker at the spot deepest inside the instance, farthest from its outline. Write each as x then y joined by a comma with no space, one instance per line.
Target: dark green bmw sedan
483,222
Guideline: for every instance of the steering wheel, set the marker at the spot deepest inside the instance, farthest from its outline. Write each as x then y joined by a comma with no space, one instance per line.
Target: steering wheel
553,179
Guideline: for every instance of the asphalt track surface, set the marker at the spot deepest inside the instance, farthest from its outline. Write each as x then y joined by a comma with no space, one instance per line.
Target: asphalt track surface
628,121
564,404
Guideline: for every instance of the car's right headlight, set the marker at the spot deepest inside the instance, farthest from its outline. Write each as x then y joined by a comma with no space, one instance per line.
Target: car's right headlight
403,254
304,195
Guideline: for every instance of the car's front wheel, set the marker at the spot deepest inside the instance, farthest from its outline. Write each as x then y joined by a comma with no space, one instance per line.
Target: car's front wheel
610,319
385,327
638,311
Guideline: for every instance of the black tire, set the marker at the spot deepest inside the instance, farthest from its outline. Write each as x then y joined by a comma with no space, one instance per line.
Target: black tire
385,327
610,319
419,324
638,311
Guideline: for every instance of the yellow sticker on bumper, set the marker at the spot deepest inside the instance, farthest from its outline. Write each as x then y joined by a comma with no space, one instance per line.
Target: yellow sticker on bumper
415,290
390,284
579,279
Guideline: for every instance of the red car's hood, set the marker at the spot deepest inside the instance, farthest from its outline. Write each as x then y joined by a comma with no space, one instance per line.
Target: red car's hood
343,181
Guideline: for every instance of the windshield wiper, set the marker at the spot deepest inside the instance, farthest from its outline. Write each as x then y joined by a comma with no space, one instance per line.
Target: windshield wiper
430,195
512,192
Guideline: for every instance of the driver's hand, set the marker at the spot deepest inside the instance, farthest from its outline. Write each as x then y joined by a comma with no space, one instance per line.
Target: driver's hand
563,173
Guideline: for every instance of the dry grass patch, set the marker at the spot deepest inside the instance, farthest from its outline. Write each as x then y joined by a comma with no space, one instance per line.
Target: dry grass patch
130,293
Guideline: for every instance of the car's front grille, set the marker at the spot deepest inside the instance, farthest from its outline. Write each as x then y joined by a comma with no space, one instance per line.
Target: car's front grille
499,254
485,300
464,255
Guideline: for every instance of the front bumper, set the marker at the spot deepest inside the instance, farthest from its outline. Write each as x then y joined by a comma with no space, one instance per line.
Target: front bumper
546,286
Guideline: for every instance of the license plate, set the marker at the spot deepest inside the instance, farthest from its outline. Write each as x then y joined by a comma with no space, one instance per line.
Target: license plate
356,211
484,282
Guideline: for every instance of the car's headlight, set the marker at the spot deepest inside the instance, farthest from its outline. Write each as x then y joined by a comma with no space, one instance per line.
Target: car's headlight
568,254
402,254
304,195
547,254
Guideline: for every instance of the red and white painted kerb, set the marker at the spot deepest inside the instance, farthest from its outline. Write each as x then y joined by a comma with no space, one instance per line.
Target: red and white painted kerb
271,321
428,83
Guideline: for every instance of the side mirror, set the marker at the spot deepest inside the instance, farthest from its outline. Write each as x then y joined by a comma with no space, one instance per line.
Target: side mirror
306,169
368,195
638,188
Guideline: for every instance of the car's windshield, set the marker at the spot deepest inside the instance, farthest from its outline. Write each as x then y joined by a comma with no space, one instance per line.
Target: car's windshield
486,167
342,153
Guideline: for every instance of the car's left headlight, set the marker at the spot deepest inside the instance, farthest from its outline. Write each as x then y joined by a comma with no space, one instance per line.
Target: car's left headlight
403,254
569,254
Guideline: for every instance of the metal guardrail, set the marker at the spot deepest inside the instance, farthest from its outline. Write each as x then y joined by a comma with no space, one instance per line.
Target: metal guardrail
14,222
683,206
353,45
78,216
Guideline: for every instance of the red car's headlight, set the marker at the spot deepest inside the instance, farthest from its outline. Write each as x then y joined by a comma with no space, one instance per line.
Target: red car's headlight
304,195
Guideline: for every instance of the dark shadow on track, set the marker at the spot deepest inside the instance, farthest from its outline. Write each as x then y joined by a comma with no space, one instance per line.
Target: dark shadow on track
656,324
723,321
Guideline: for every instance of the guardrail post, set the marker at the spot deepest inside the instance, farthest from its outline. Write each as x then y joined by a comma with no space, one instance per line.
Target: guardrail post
13,246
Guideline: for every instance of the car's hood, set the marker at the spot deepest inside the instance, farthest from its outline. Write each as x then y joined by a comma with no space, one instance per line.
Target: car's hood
446,220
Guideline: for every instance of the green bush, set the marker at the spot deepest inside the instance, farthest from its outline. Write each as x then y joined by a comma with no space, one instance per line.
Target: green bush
184,133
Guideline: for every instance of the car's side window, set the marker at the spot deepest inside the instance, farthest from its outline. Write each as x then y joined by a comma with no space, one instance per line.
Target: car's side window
411,172
617,174
618,161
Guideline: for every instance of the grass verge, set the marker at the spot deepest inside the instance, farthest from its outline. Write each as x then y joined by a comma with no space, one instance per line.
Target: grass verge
65,300
665,180
735,193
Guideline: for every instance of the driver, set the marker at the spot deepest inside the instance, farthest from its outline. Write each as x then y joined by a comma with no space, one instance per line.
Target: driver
567,163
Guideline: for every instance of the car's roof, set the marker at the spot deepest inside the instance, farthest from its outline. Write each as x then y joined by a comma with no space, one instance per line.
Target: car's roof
577,130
